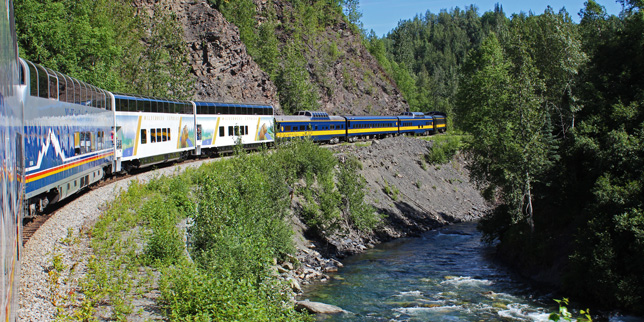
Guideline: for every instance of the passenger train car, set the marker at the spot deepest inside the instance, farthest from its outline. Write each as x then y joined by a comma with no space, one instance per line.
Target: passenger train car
150,131
222,125
11,156
67,126
319,126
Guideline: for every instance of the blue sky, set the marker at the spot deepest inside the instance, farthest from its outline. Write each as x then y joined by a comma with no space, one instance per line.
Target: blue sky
383,15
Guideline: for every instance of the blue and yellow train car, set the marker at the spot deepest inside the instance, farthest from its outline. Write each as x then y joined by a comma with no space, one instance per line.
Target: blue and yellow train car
371,126
317,125
416,123
440,121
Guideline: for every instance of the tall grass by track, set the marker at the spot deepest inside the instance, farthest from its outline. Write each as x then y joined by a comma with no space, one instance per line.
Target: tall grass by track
445,146
237,213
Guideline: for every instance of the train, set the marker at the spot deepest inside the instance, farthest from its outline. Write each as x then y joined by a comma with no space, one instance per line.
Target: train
77,134
11,155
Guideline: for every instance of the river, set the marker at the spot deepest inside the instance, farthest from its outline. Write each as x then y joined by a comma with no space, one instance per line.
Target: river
445,275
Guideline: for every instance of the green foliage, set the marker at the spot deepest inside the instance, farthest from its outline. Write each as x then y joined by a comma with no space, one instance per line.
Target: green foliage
565,315
165,243
443,150
555,113
293,82
425,54
391,190
351,186
100,42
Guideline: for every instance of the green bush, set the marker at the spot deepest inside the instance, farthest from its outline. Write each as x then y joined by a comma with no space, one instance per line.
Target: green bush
443,150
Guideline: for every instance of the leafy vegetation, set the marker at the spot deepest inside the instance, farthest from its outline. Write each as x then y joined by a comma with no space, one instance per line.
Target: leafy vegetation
224,272
444,148
100,42
554,110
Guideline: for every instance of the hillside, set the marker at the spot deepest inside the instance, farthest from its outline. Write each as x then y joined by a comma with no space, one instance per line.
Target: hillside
279,54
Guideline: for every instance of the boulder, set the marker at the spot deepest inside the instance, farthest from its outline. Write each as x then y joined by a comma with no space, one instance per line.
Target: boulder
317,307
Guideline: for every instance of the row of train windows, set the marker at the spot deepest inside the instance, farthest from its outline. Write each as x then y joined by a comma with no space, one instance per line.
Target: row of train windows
240,110
236,130
46,83
85,142
156,135
288,128
372,125
150,106
412,124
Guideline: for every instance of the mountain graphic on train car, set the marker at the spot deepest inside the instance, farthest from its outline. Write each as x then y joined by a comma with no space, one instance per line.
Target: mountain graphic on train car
47,154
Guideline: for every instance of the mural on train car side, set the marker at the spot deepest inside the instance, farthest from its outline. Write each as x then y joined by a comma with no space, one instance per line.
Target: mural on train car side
265,129
209,126
127,133
186,133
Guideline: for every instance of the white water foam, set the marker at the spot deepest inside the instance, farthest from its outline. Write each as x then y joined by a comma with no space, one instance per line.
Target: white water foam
465,281
523,313
409,293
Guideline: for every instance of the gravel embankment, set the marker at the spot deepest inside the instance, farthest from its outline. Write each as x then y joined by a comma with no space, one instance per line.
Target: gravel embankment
39,294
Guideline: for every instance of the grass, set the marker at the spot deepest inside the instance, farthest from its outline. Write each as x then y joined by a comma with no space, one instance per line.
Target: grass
445,146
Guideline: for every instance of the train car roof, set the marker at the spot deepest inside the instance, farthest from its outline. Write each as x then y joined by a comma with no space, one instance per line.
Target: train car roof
369,117
302,118
221,104
146,98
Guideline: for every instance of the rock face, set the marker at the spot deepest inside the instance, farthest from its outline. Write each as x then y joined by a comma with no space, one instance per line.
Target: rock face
223,69
347,78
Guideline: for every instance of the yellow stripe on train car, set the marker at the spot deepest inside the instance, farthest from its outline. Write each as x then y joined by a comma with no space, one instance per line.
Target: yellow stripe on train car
374,130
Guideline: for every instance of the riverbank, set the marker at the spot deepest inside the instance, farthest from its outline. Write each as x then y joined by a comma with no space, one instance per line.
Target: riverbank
411,195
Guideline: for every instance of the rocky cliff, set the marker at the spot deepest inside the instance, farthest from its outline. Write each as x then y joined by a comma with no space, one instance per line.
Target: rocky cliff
345,77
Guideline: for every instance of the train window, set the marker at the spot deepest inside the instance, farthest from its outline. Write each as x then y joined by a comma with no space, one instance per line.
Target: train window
129,105
144,136
43,83
169,138
221,131
159,138
76,143
62,87
230,131
119,104
153,136
246,129
164,134
92,137
33,79
21,75
288,128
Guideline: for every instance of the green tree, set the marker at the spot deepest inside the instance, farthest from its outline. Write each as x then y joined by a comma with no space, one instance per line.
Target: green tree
511,146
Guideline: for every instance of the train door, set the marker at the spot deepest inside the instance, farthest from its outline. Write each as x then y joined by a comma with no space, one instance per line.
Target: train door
198,145
118,147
